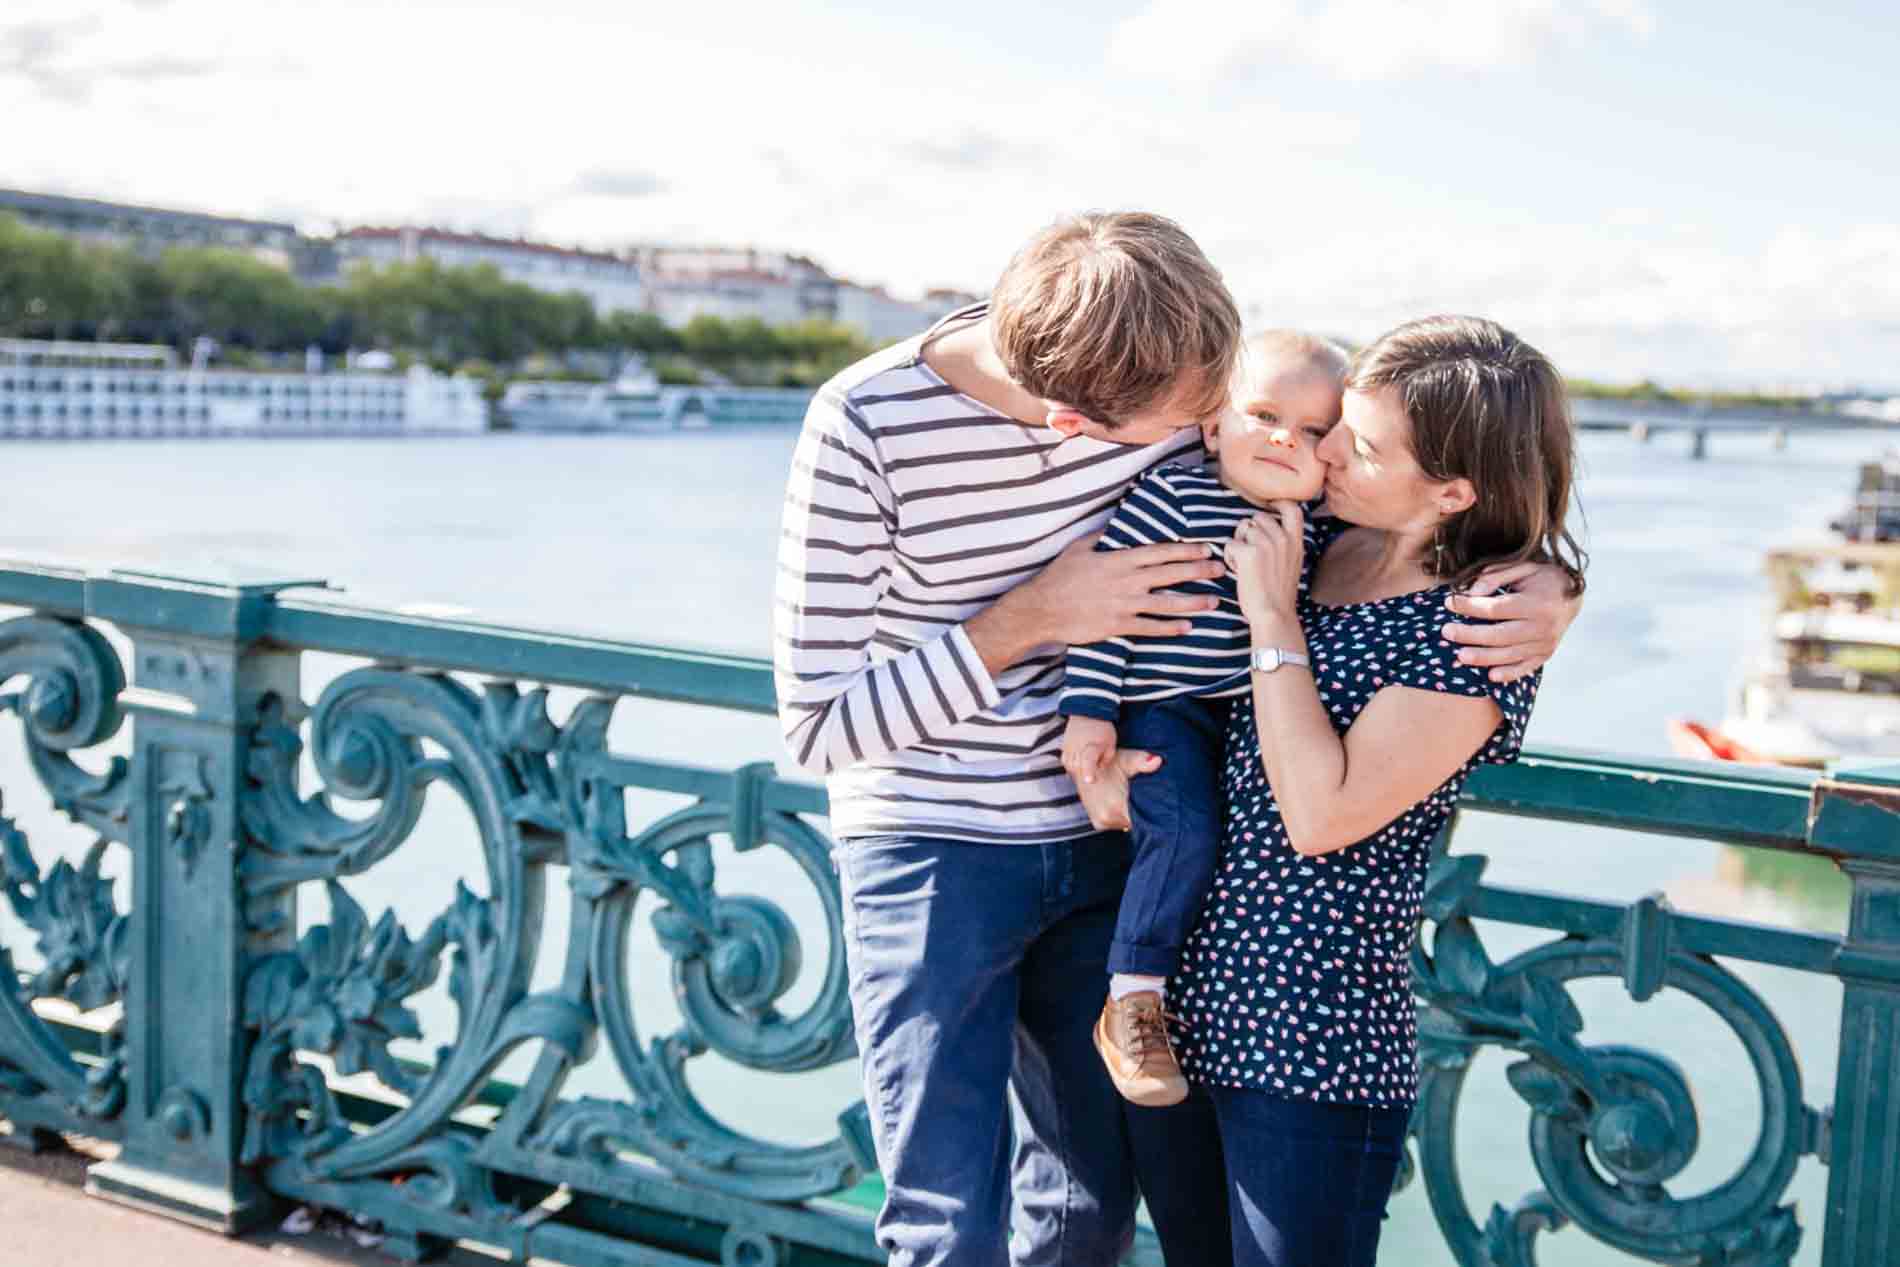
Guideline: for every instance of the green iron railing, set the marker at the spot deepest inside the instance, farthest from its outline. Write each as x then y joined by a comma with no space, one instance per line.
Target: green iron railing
210,1077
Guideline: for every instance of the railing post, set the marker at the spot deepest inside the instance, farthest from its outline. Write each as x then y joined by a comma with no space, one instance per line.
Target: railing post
198,672
1856,814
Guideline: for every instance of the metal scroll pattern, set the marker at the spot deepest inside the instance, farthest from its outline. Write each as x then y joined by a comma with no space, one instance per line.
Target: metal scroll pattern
1610,1125
539,793
63,681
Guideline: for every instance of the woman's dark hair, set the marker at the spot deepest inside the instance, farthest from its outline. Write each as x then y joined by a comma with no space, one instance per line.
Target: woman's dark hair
1487,407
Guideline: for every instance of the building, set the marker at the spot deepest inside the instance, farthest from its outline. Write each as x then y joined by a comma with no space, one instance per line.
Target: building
884,318
151,230
735,283
612,284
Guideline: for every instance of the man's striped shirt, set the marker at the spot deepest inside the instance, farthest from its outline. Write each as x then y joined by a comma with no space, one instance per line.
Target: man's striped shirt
911,508
1174,503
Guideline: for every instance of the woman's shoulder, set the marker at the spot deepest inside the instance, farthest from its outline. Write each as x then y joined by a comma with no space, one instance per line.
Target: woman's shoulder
1426,660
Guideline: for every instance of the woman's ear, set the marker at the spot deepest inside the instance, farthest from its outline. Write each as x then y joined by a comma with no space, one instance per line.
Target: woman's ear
1455,496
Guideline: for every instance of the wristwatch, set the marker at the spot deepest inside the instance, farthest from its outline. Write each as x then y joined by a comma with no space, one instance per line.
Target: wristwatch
1267,659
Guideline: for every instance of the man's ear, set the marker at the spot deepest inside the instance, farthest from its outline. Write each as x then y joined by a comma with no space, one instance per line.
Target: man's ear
1066,421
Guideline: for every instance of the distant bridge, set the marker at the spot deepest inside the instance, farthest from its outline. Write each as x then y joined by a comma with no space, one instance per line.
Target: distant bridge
1645,421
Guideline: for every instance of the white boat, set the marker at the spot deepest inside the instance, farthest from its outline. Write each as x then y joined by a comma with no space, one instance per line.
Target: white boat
1828,684
81,391
641,404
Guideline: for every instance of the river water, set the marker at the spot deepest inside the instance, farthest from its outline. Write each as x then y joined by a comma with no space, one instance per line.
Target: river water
670,538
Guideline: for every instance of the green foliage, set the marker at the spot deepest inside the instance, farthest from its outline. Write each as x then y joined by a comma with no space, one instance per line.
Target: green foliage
1648,391
54,287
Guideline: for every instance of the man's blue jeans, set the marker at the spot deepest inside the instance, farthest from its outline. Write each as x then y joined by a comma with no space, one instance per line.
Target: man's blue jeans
976,977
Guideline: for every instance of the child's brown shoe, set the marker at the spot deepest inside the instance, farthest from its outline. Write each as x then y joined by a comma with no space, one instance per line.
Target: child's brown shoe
1132,1035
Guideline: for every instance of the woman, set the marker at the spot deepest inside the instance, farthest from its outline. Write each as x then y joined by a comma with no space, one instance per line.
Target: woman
1453,453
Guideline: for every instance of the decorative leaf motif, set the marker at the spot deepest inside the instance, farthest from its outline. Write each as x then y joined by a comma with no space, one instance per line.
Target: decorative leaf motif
1449,884
80,930
341,992
1549,1008
1459,959
1544,1090
1510,1235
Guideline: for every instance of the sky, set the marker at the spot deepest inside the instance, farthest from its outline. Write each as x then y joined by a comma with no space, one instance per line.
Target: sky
1697,192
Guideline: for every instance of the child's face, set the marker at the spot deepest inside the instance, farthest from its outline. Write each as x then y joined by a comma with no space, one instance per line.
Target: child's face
1267,442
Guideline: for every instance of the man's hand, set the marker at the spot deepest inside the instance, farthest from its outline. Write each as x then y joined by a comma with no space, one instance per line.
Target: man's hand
1531,620
1085,595
1105,793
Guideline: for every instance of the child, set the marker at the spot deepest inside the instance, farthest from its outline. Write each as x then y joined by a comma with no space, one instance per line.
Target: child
1169,696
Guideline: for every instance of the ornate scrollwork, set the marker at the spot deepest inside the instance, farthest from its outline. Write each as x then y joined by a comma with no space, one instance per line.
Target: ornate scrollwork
1610,1124
733,959
70,701
537,792
341,992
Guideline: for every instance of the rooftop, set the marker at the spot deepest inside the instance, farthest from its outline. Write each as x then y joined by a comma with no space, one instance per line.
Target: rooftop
428,234
23,200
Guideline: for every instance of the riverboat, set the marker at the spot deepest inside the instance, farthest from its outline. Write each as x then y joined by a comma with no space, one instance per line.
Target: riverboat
639,403
76,391
1828,684
1874,514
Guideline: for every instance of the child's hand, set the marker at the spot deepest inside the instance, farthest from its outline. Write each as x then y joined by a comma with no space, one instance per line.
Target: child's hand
1100,771
1088,745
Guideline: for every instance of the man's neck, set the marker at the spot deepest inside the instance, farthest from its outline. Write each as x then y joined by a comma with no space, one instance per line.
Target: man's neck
966,359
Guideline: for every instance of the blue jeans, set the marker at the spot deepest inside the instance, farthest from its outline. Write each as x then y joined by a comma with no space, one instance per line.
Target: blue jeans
976,978
1176,825
1306,1183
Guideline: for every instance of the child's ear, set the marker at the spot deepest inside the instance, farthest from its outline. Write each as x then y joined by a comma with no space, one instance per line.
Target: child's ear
1210,434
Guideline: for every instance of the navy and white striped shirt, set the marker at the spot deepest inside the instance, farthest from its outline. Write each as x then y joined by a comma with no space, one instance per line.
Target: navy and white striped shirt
1172,503
911,508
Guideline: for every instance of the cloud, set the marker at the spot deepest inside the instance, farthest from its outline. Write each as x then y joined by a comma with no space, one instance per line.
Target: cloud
62,61
1668,301
152,69
624,182
1360,39
970,150
36,53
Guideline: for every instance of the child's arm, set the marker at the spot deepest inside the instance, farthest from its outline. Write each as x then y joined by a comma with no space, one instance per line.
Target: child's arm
1094,675
1092,678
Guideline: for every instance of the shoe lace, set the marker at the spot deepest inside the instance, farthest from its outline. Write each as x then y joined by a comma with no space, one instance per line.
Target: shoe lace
1148,1032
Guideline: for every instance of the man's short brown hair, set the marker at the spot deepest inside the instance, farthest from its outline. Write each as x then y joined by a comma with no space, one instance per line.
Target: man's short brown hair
1112,313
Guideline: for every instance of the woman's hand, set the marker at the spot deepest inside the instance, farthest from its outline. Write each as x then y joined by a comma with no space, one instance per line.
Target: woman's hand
1265,557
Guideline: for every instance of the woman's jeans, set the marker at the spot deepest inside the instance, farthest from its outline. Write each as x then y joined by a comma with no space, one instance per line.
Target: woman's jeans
1306,1183
976,978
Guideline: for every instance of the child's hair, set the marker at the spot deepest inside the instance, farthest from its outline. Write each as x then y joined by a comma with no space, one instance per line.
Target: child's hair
1299,348
1110,313
1487,407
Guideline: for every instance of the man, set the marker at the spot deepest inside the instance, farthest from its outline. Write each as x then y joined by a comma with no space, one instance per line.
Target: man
935,563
